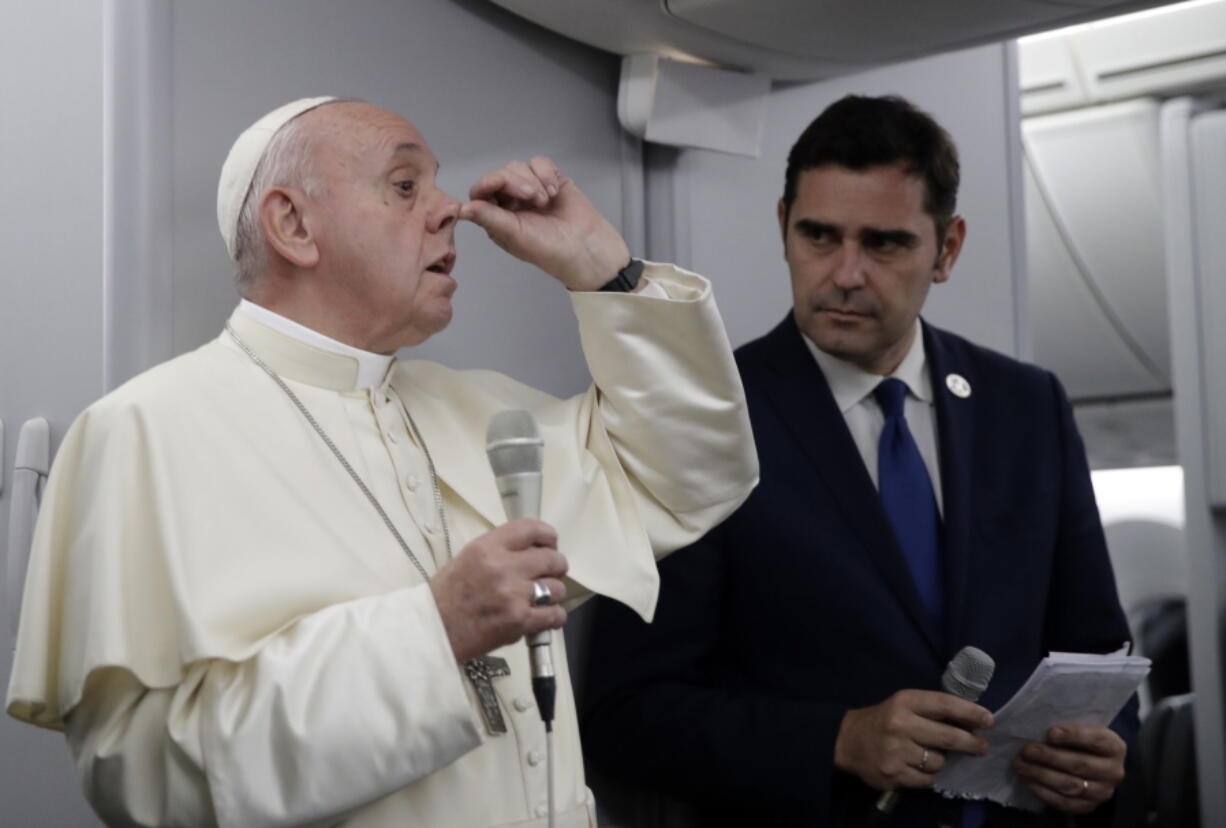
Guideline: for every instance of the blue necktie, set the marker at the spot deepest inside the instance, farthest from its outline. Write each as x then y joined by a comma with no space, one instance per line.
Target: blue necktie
911,505
908,498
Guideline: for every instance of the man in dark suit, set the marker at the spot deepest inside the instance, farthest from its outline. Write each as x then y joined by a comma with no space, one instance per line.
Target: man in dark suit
919,493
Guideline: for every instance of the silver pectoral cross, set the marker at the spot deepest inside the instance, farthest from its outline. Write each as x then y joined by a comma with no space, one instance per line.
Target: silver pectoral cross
480,671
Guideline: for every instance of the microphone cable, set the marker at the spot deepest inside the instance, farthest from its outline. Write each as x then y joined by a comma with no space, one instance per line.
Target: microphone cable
545,690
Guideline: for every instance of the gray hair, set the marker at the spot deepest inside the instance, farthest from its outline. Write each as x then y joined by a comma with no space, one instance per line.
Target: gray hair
287,162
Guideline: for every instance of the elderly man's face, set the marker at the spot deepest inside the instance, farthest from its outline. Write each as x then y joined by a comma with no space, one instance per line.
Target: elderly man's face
384,228
862,253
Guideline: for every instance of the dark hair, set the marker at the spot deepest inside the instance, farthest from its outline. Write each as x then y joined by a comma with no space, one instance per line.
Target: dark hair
860,132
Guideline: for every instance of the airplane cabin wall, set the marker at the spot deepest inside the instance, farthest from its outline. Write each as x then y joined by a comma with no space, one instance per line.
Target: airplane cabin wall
51,126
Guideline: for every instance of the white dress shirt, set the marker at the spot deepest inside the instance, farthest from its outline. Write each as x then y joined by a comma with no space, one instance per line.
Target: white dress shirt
853,388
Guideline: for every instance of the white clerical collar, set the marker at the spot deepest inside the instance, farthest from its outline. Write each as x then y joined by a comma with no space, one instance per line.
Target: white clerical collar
372,367
850,383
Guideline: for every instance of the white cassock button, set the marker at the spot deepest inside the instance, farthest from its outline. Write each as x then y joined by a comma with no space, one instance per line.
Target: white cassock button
542,810
958,385
410,482
521,704
535,757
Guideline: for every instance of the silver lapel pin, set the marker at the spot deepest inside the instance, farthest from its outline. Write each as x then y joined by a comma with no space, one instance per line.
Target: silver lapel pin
958,385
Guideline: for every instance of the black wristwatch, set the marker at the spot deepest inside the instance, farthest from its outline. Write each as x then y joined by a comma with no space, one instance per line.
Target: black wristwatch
627,279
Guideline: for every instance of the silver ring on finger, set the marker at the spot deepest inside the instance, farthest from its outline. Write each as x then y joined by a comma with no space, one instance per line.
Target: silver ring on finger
923,765
541,596
1085,788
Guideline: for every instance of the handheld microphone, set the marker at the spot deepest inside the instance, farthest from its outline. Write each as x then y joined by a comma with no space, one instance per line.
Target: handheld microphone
516,452
967,675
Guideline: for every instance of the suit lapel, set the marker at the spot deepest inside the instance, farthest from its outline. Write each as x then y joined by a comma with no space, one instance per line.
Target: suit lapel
955,439
802,400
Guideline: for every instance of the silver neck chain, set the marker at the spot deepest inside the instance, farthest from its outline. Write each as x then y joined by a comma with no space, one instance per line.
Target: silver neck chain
438,495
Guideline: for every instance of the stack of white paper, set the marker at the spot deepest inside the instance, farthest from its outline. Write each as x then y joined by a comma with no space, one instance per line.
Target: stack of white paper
1066,688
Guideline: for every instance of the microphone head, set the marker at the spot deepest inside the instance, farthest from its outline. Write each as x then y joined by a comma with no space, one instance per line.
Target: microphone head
514,443
968,673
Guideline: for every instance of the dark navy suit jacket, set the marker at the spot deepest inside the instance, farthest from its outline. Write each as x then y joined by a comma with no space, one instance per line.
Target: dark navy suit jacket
800,606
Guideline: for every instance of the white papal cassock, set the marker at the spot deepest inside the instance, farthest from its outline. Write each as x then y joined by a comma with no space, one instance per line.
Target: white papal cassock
228,633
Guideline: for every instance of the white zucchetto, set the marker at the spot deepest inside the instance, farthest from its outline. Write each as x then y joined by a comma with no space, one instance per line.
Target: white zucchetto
244,159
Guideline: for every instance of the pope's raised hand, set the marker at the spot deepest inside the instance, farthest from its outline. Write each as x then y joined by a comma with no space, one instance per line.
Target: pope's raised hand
540,216
484,595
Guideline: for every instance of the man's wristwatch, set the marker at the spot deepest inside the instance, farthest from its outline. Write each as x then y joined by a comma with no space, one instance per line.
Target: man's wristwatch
627,279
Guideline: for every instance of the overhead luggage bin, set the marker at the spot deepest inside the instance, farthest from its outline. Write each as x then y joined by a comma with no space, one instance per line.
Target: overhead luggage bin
1095,250
1170,51
805,39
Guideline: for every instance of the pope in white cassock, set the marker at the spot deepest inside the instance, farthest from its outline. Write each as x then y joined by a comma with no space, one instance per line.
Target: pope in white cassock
264,569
